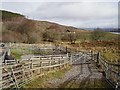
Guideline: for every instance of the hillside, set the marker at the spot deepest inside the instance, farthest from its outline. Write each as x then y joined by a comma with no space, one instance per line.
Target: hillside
7,15
17,28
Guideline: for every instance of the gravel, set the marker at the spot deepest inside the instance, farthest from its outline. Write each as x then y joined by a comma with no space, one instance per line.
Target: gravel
76,71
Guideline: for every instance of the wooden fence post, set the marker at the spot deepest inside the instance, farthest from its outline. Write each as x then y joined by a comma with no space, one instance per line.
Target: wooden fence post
66,50
118,79
71,60
67,56
40,64
107,70
59,62
31,65
49,65
30,68
0,74
91,54
98,57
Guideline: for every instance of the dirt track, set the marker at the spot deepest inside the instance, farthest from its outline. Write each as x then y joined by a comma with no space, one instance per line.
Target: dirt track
80,76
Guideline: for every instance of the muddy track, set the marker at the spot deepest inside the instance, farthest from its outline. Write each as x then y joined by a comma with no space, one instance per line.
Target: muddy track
69,80
80,76
83,82
73,80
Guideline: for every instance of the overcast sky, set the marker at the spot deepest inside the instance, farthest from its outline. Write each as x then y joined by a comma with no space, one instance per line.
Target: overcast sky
78,14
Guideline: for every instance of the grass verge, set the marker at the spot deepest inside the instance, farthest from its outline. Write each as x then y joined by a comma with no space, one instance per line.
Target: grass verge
41,82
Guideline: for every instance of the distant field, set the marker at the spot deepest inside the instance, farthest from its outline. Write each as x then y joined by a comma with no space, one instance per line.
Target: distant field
109,48
87,36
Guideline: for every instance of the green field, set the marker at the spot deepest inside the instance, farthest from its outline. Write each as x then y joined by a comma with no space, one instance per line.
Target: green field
41,82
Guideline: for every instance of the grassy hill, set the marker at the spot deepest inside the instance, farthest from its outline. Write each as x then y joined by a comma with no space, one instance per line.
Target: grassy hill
6,15
17,28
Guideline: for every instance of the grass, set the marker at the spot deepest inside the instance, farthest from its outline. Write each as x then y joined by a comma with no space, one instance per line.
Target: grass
84,36
111,56
42,52
109,49
82,44
16,53
87,36
41,82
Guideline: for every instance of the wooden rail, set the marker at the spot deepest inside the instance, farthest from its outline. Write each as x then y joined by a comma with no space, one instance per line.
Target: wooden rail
110,70
17,74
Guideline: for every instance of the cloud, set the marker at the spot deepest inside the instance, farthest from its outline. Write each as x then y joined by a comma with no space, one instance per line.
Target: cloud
79,14
76,10
60,0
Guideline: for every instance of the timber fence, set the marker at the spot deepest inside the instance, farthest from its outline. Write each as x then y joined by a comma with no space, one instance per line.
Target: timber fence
111,71
15,75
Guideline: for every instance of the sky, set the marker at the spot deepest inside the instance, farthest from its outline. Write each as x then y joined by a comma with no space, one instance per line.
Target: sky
80,14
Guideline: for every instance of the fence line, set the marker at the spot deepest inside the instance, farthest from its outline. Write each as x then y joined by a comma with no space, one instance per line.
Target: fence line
17,74
110,70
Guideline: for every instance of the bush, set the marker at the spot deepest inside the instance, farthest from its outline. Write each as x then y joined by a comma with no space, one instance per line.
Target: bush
97,34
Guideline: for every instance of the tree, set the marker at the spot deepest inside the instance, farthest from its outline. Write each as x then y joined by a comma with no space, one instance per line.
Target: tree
70,36
50,35
27,27
97,34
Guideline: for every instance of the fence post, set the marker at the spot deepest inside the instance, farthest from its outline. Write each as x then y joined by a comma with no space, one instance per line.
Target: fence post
91,54
0,74
67,56
118,80
119,72
30,68
71,59
66,50
40,64
31,65
59,62
116,87
49,63
98,57
107,70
